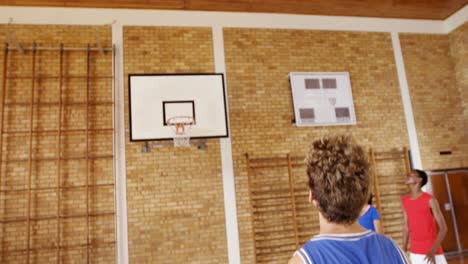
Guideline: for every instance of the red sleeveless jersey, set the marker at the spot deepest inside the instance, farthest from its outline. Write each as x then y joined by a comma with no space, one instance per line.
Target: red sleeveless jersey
421,224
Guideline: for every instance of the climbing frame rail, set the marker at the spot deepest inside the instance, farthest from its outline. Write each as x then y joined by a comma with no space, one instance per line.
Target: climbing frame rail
278,203
2,117
57,182
282,217
389,171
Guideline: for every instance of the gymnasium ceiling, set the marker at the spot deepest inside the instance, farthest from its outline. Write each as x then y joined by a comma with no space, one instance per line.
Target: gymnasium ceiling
415,9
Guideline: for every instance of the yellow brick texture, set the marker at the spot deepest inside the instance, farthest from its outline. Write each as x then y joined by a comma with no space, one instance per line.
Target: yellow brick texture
459,52
436,100
174,195
261,107
42,173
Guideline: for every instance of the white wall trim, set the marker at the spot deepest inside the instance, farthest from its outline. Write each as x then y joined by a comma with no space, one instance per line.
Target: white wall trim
95,16
408,108
121,174
406,100
229,188
456,20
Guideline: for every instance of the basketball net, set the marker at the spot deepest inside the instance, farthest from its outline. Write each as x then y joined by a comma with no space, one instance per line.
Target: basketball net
181,126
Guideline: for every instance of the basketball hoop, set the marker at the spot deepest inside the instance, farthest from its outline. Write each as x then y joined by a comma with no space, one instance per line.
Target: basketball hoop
181,126
332,100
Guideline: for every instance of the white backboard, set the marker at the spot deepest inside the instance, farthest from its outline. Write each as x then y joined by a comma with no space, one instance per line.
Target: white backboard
154,98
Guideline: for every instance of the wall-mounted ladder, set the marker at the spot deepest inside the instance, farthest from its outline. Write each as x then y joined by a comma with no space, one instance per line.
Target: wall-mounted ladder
390,169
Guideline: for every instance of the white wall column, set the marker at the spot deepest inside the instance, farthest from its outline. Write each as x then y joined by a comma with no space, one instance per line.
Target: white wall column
406,99
119,147
229,188
407,107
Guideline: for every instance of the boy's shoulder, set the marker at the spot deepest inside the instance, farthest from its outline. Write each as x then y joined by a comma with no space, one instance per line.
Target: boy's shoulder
349,246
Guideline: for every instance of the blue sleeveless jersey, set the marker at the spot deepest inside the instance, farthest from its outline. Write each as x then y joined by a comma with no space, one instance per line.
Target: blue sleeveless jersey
362,248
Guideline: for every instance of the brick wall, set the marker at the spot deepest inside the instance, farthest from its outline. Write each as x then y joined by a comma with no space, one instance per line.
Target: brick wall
258,62
459,52
436,100
174,195
46,168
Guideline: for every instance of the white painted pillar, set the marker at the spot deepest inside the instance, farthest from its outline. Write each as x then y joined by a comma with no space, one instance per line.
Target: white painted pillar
229,188
407,107
119,147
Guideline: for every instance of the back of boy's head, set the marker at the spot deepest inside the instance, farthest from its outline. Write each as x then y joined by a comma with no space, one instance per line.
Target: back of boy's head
423,176
338,172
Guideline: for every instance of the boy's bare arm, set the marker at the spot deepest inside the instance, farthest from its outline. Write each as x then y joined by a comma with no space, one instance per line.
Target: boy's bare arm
405,232
442,230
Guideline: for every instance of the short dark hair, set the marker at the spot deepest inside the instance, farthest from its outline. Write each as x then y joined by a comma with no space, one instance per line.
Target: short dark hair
339,175
423,176
370,199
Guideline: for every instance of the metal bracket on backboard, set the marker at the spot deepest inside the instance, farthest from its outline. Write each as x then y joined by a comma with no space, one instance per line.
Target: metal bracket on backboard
148,145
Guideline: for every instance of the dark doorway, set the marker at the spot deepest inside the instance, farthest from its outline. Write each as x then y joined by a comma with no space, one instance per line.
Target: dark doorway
450,188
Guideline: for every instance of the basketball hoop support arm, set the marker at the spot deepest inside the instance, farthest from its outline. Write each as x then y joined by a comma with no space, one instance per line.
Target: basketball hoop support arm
148,145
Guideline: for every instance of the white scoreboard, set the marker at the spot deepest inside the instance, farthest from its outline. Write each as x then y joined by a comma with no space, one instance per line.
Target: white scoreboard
322,98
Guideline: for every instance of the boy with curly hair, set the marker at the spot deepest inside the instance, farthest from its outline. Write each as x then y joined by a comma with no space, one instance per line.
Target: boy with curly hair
339,180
